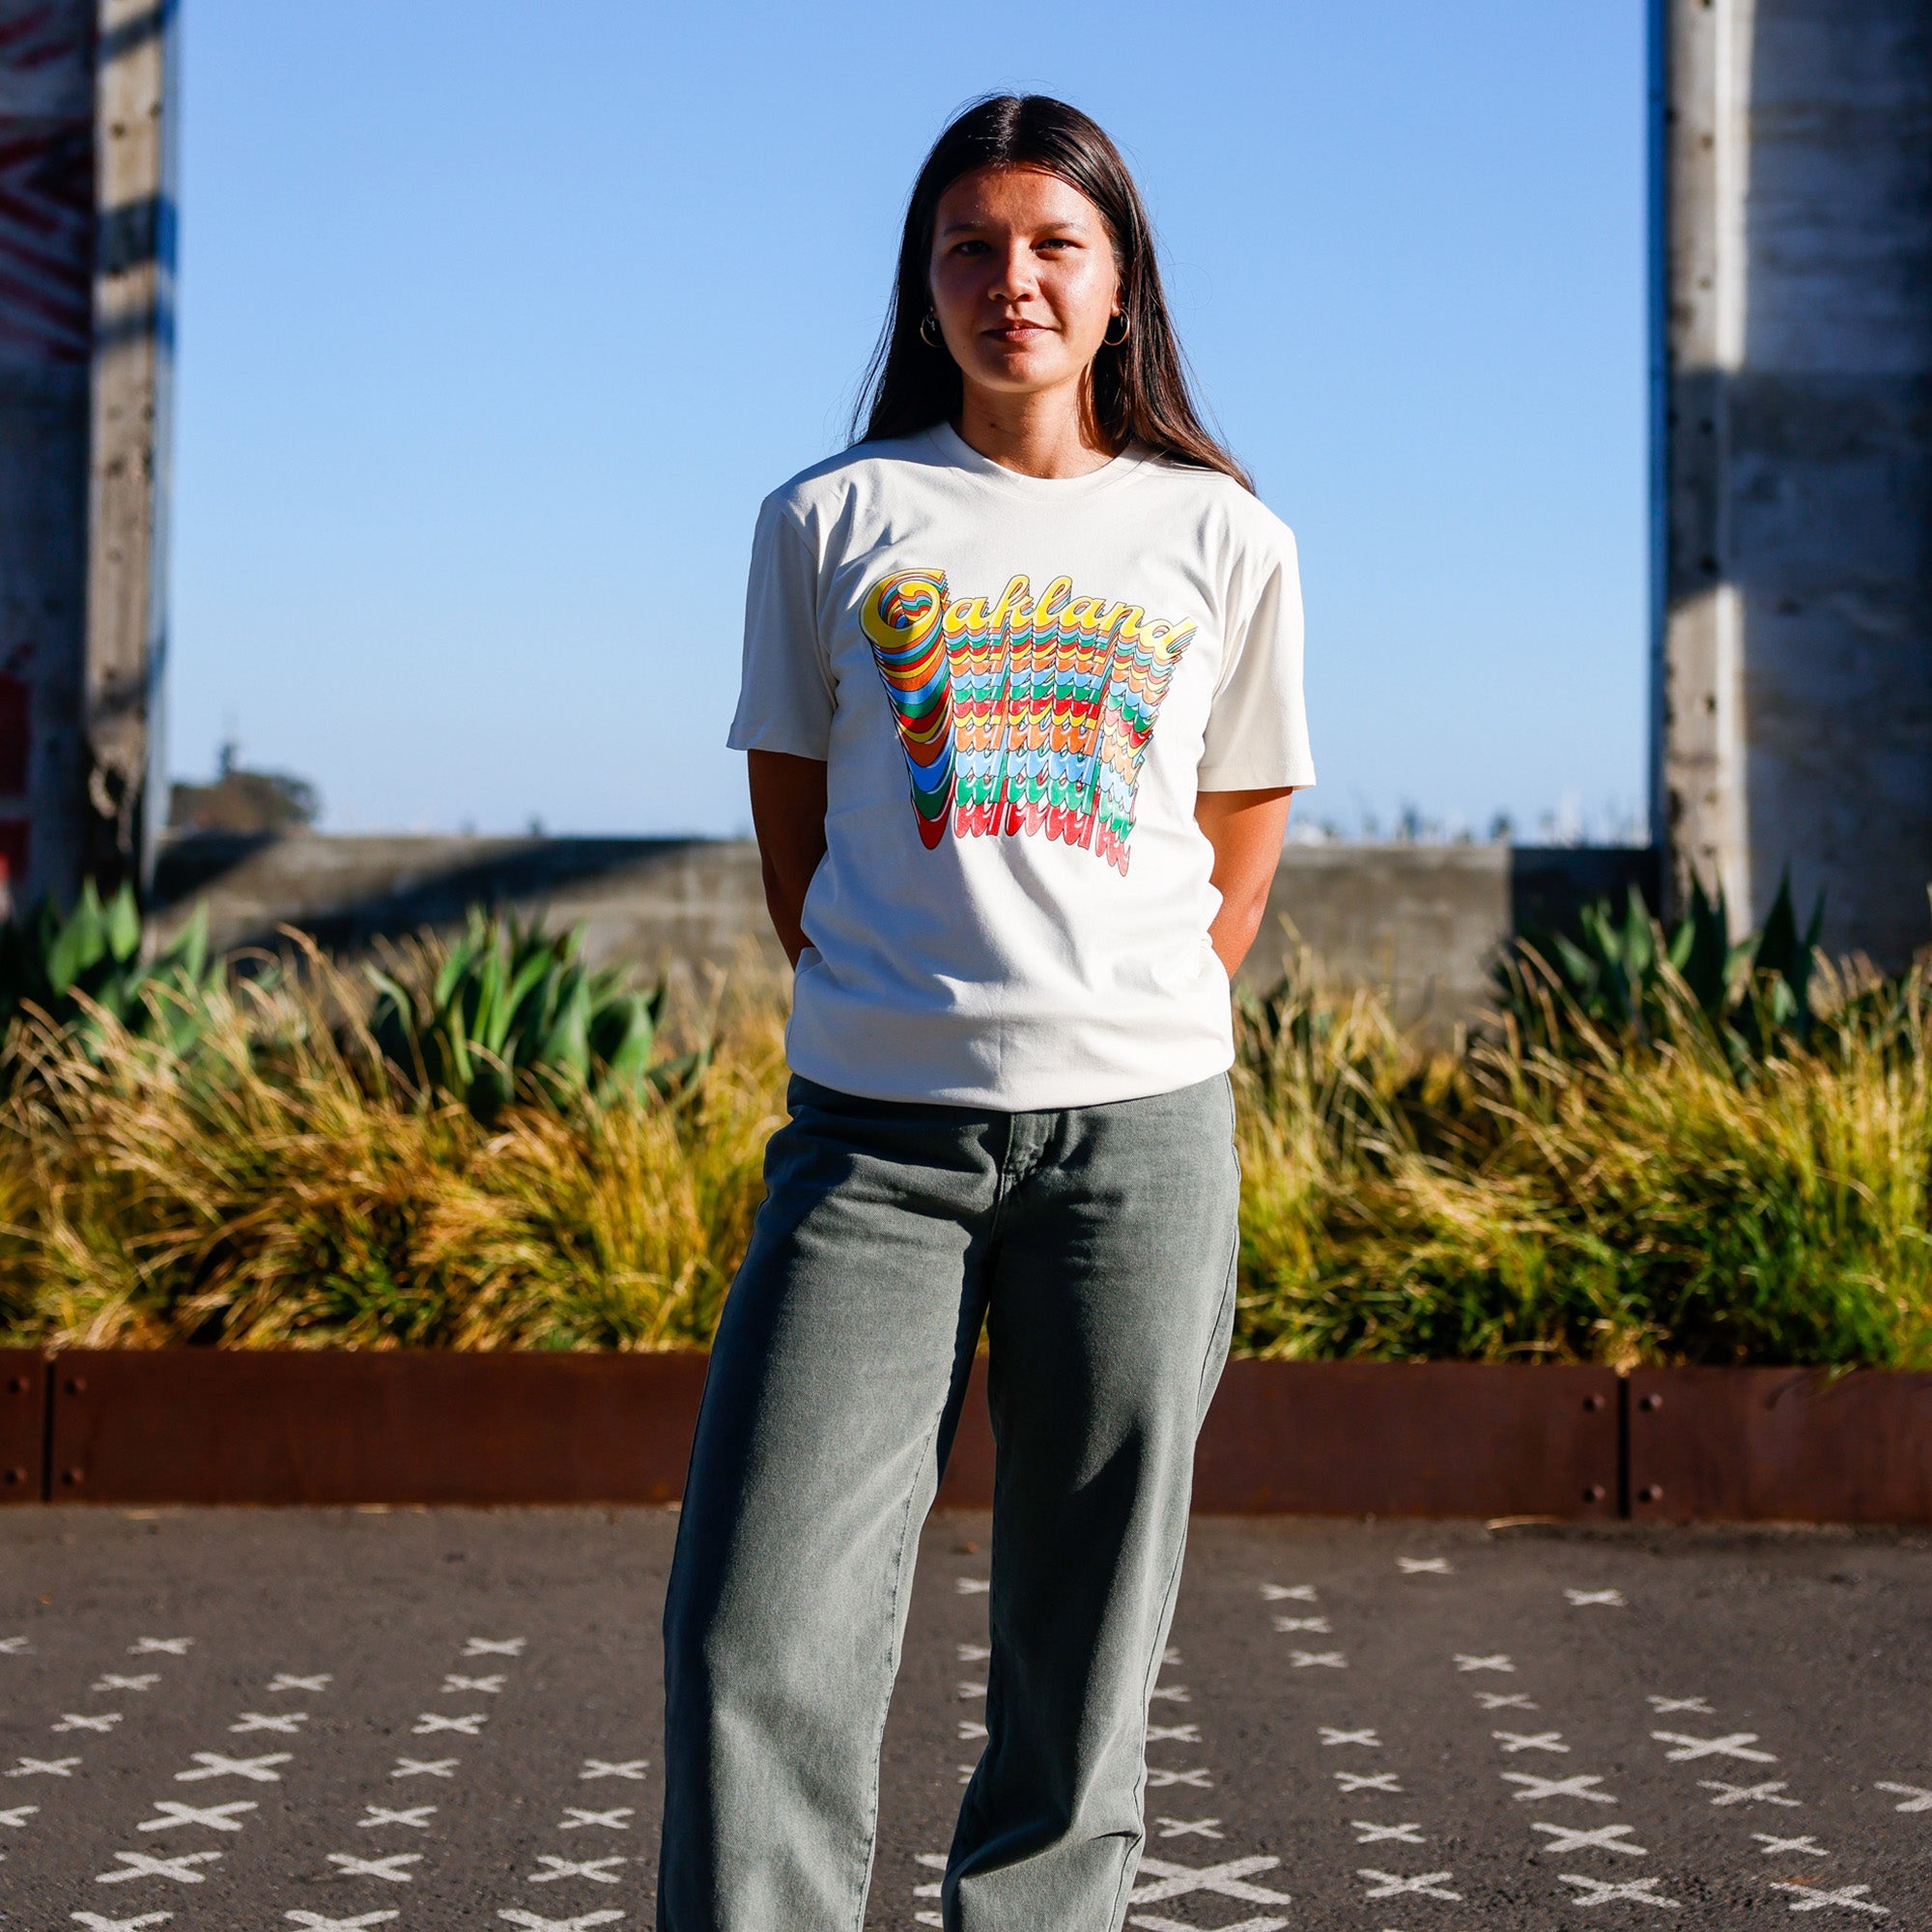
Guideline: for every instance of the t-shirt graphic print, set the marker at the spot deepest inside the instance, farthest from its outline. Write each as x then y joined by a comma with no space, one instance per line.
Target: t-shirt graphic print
1019,686
1031,716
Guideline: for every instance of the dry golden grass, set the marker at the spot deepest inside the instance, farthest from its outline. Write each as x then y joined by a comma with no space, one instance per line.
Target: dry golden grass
281,1187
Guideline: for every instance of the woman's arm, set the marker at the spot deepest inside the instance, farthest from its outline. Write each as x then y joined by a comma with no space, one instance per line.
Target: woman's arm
789,816
1245,829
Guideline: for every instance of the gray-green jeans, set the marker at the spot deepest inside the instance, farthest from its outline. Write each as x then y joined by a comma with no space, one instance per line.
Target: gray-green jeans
1097,1247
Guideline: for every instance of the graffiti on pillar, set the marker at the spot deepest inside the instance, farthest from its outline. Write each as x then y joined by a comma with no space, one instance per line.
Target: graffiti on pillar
47,181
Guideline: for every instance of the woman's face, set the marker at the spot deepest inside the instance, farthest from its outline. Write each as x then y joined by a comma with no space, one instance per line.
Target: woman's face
1023,279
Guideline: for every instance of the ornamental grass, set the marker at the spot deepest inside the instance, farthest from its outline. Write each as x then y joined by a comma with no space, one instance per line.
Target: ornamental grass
1549,1190
284,1185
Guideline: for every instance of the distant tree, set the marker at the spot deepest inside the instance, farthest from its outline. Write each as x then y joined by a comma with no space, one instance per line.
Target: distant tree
243,800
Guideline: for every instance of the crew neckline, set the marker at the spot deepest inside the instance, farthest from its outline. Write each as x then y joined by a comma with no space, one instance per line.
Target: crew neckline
955,449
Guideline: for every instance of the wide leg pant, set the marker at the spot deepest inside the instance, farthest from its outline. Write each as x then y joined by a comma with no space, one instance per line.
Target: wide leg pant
1097,1247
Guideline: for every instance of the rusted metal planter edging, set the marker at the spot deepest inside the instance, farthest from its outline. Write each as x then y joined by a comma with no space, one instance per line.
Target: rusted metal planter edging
1410,1438
23,1425
420,1426
208,1426
1781,1445
1320,1438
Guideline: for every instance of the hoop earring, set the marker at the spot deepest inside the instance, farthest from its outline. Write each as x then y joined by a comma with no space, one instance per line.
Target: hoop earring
929,330
1127,329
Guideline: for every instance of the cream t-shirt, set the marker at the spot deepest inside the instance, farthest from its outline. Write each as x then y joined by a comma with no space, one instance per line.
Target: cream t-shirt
1019,685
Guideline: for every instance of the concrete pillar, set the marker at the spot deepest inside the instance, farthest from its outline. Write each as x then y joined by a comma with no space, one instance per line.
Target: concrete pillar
86,245
1793,344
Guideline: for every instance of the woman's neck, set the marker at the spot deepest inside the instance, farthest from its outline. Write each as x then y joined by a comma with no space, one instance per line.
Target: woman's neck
1049,434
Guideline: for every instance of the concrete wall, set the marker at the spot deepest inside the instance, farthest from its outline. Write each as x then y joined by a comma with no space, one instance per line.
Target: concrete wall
1425,922
1794,335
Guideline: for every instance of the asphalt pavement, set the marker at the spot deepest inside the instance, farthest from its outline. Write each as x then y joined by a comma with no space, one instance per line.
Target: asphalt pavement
231,1720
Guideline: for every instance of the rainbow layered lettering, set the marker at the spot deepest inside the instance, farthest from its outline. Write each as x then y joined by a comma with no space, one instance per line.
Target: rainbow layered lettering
1022,715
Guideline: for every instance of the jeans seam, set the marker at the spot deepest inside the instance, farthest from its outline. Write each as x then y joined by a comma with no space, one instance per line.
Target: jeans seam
1130,1864
891,1675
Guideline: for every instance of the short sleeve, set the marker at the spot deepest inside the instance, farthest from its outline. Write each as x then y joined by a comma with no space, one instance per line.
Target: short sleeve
1257,734
785,692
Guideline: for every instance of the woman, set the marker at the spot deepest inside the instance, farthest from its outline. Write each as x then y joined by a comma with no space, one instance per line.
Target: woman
1022,700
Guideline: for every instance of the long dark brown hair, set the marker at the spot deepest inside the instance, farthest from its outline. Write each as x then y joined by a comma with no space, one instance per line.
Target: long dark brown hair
1140,392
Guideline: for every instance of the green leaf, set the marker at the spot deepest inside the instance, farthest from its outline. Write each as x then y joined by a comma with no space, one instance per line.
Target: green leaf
123,924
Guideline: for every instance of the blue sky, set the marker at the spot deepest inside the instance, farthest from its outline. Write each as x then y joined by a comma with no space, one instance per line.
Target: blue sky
498,321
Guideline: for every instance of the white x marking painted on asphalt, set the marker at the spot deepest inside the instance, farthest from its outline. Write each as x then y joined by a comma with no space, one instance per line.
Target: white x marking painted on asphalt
143,1864
159,1646
491,1687
596,1767
463,1726
531,1923
1288,1593
1422,1566
599,1871
425,1767
1175,1693
1664,1706
1390,1885
1198,1779
1331,1736
1600,1891
1321,1626
213,1765
44,1767
110,1681
1313,1660
1171,1655
971,1728
79,1721
287,1722
975,1653
969,1689
14,1646
1536,1789
390,1867
92,1922
216,1817
1512,1742
1199,1828
1499,1662
1398,1834
282,1681
1696,1747
16,1818
1359,1780
1748,1794
619,1820
1228,1880
973,1586
1174,1734
1916,1798
1506,1701
415,1816
1153,1922
1605,1838
315,1921
493,1646
1814,1898
1774,1846
1613,1599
